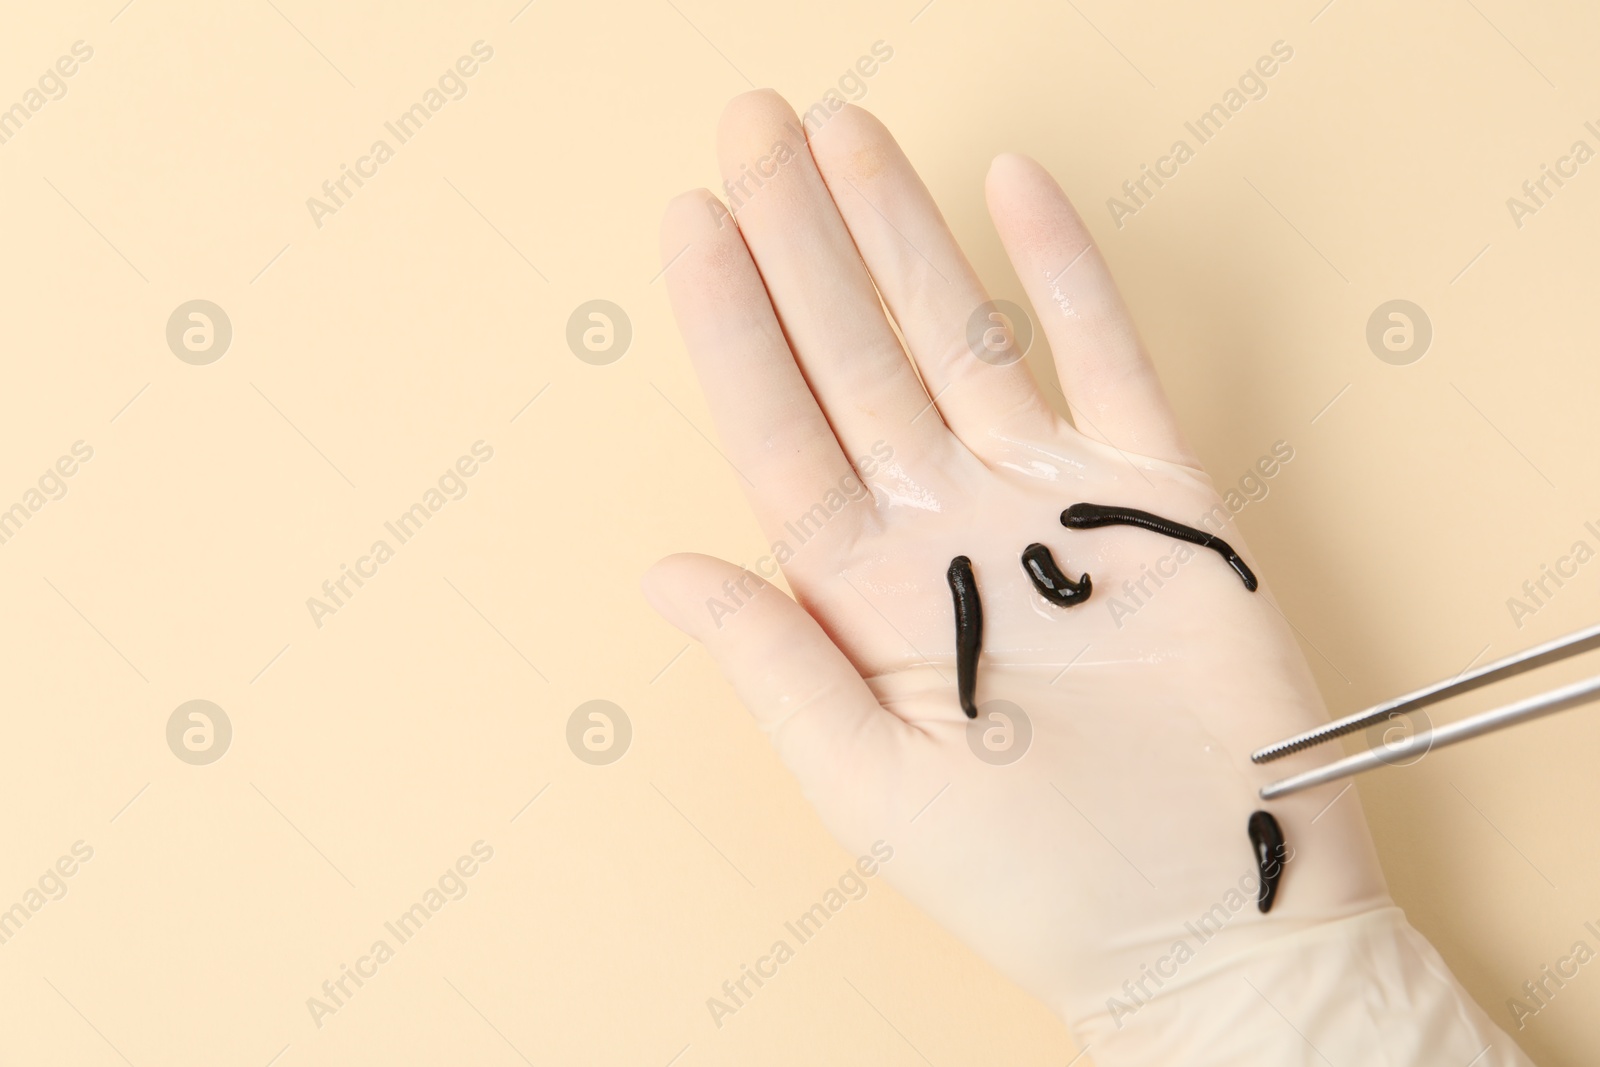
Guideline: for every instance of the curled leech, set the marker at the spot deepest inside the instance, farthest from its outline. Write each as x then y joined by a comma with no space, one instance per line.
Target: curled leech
1048,579
1090,516
1266,838
969,631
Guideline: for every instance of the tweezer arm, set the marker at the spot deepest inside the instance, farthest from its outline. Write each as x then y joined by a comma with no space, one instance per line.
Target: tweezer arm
1418,745
1571,645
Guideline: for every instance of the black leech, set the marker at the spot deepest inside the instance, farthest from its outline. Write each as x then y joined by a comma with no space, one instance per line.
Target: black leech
969,631
1090,516
1048,579
1266,837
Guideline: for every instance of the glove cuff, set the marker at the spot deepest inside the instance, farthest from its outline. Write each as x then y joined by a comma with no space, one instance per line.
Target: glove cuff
1366,989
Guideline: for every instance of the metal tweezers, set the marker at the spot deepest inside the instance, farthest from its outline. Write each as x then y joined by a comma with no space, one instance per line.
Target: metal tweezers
1419,744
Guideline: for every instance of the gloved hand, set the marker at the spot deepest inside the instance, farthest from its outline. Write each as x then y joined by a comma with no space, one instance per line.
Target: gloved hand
1078,842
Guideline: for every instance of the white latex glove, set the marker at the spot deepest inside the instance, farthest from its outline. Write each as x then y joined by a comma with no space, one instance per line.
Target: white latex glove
1079,867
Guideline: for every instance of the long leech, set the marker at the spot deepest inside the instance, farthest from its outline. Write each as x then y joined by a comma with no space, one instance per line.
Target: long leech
1091,516
969,631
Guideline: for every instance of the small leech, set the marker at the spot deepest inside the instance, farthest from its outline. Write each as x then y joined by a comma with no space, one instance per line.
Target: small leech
1266,837
969,631
1047,578
1090,516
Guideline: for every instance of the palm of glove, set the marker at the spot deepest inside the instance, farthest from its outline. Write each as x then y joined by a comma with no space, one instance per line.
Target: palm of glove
1099,802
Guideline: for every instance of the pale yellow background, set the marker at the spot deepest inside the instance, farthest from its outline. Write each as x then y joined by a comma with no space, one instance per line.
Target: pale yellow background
370,353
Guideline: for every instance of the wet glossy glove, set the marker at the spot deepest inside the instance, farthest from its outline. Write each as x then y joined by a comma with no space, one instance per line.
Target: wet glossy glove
1087,833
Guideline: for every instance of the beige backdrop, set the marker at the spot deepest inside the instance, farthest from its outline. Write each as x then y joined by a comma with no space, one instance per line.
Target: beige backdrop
378,339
